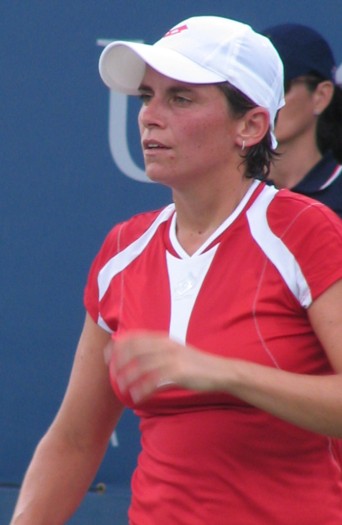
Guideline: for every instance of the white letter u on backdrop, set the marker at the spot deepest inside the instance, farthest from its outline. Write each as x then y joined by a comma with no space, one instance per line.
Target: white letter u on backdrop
118,110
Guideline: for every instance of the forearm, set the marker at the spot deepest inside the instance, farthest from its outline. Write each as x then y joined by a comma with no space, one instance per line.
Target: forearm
311,402
68,456
56,482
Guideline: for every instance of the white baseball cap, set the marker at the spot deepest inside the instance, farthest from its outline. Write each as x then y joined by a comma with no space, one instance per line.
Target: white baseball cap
202,50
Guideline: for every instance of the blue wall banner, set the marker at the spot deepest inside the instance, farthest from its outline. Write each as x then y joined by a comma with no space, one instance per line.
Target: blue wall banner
71,168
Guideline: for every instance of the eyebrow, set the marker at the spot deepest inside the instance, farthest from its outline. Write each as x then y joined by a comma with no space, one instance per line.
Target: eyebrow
171,90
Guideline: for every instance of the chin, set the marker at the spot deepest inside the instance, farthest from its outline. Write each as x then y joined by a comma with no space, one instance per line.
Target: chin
156,175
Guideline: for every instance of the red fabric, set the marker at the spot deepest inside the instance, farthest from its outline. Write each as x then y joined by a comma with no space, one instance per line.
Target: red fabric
212,458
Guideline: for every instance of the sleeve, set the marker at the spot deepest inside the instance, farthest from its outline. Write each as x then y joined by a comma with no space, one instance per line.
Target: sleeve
108,249
104,311
315,238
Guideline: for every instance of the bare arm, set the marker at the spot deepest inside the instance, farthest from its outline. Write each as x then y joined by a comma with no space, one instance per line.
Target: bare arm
68,456
143,362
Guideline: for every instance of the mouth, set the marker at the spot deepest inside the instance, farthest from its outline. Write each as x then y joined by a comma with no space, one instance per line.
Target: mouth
153,145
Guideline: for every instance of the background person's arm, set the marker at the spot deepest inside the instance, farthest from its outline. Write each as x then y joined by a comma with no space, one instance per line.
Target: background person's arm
68,456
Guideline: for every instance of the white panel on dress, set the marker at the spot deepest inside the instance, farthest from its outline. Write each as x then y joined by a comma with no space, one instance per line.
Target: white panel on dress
275,249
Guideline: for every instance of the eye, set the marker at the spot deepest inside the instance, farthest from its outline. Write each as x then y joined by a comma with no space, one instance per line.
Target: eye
181,100
145,98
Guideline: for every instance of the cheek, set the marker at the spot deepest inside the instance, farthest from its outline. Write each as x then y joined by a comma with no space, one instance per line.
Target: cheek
207,134
284,117
291,120
297,112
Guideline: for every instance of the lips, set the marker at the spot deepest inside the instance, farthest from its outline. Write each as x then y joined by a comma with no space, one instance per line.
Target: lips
151,145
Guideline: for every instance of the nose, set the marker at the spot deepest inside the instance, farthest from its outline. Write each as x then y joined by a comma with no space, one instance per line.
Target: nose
151,114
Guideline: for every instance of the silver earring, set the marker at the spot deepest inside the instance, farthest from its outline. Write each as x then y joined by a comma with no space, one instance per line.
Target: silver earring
243,146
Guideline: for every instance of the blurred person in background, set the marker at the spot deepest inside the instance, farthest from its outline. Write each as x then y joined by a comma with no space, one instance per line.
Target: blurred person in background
309,127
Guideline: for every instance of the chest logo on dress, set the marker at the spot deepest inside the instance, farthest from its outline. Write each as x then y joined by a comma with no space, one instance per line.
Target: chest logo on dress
184,287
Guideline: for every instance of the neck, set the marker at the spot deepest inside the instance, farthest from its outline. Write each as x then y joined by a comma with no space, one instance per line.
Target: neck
295,161
199,214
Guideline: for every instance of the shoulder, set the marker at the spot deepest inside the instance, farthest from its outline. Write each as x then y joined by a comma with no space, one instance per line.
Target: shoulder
286,214
301,237
123,243
129,231
290,211
324,183
294,220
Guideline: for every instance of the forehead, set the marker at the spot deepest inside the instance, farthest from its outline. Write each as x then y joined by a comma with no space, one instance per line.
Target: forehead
154,78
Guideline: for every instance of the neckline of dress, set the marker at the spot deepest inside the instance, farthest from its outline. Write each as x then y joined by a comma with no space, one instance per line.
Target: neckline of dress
223,226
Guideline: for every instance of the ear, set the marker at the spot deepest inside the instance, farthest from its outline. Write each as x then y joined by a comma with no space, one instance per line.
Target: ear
322,96
252,127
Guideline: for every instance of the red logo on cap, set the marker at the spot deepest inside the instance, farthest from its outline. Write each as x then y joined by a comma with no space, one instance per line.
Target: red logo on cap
176,30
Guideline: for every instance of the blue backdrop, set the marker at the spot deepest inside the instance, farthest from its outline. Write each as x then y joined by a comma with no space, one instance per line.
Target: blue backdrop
63,187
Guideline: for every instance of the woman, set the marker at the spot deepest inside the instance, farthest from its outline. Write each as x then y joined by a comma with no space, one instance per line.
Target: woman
220,315
309,128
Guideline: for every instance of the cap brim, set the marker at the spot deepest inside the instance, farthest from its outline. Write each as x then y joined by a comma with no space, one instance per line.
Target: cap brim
122,66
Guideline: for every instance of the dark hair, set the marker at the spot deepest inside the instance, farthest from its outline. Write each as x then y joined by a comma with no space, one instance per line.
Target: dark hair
329,124
257,158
